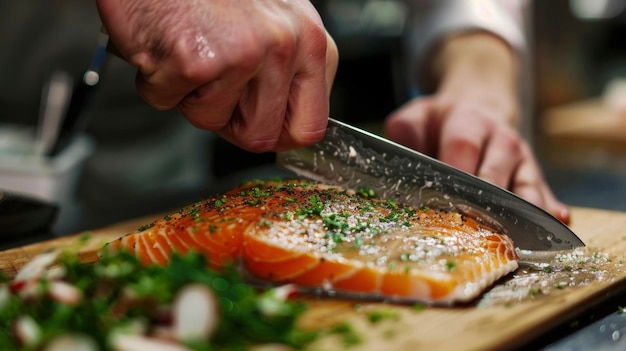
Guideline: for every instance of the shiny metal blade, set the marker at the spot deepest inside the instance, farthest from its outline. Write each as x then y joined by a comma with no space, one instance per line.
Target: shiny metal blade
353,158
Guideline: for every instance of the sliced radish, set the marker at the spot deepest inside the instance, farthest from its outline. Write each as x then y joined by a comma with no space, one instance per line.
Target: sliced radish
127,342
27,289
65,292
55,272
72,342
27,331
272,302
195,313
285,292
36,267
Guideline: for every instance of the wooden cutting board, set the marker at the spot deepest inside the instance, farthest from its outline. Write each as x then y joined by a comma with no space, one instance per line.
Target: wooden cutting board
433,328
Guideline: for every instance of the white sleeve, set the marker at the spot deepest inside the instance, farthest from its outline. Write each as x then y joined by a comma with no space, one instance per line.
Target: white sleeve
432,21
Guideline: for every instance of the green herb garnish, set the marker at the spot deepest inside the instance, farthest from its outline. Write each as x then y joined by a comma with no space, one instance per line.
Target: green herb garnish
366,192
118,292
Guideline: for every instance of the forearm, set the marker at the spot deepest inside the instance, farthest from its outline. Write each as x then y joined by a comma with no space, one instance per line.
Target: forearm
477,67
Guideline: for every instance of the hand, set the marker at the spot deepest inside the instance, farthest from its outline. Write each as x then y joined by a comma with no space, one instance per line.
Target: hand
258,73
468,120
471,137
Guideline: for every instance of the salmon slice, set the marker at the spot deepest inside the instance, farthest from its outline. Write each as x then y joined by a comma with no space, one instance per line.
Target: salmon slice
206,227
319,236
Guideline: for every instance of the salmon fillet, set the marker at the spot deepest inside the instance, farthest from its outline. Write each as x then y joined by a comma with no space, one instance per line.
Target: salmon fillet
320,236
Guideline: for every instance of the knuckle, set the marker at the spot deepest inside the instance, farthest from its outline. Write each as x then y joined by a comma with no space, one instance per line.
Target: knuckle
511,140
317,43
259,144
188,61
250,138
462,143
196,72
308,136
284,41
196,67
247,57
278,42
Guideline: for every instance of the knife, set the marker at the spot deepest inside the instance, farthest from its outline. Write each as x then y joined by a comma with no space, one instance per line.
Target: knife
353,158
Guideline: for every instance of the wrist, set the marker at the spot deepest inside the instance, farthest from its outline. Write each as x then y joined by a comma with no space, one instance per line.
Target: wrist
477,67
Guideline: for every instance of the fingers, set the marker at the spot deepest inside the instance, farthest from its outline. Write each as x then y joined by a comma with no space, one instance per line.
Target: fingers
530,184
308,105
166,87
332,61
210,106
476,143
502,156
251,107
204,85
464,135
412,126
286,104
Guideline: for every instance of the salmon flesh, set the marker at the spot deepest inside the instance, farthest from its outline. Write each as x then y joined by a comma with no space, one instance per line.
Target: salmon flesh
332,239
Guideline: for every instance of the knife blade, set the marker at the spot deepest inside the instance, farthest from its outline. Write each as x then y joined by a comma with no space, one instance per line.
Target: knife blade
353,158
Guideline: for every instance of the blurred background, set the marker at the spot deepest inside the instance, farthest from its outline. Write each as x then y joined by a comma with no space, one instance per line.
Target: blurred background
138,161
579,69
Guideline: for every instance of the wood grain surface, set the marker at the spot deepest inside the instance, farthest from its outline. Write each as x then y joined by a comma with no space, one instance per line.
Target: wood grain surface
432,328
